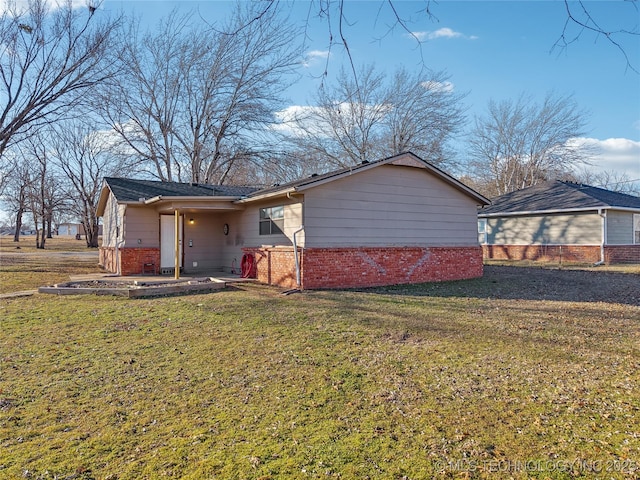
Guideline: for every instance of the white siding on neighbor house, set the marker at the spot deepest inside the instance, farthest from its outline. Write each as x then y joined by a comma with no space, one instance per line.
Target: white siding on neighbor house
389,206
112,219
69,229
577,229
244,229
142,227
619,227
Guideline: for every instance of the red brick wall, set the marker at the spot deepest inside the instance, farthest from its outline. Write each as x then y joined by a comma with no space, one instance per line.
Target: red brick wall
622,253
366,267
545,253
132,260
565,253
275,265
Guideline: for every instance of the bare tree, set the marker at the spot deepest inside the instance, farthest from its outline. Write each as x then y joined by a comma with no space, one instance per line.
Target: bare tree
355,121
194,100
609,179
520,143
425,112
16,192
45,192
50,58
579,16
85,155
344,124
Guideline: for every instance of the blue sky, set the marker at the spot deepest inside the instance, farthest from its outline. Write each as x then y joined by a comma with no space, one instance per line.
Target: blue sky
491,50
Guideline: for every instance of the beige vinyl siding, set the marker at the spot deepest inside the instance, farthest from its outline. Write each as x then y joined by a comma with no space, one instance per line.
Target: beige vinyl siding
111,220
577,229
386,206
203,241
244,229
142,224
619,227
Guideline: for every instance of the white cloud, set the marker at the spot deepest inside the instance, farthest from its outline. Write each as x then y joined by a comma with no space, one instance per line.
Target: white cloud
444,32
314,56
304,120
620,155
21,6
289,118
443,87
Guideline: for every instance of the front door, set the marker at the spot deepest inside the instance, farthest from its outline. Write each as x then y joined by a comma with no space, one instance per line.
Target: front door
167,241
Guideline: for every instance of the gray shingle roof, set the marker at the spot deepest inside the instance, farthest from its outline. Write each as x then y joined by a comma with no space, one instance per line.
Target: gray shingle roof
130,190
557,195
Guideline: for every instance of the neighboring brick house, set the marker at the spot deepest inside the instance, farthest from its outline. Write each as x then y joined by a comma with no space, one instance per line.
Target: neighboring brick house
562,221
397,220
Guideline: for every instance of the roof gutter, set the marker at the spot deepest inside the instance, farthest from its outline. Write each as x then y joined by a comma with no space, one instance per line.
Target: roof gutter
190,198
278,193
543,212
148,201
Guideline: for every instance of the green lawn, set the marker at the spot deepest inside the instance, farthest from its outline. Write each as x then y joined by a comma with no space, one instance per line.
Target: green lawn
454,380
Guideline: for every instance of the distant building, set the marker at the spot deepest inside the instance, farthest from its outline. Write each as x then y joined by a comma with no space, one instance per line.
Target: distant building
562,221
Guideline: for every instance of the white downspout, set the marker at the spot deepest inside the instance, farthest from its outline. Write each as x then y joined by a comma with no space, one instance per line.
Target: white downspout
295,254
119,242
603,234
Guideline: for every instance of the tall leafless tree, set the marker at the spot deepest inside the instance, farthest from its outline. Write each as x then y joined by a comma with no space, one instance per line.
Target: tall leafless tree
195,99
609,179
46,192
15,197
520,143
85,155
376,116
49,59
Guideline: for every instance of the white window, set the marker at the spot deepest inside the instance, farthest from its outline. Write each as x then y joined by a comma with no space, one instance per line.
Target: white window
636,228
272,220
482,230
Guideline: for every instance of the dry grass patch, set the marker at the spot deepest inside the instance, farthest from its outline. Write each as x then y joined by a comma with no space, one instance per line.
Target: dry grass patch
28,268
430,381
27,244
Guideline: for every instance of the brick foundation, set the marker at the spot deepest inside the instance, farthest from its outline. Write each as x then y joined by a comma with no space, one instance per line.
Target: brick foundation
622,253
365,266
132,260
564,253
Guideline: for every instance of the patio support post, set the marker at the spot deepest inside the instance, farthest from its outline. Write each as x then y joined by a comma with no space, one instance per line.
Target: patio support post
177,244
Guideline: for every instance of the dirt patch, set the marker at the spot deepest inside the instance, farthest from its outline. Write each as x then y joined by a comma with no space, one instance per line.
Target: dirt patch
537,283
565,285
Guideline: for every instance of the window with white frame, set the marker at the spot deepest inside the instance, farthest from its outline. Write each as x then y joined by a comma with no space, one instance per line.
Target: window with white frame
272,220
636,228
482,230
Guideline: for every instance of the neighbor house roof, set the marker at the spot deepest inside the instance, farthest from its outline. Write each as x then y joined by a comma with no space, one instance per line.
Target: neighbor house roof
558,196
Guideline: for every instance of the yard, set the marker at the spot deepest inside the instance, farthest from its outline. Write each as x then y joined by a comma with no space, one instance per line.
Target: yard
527,373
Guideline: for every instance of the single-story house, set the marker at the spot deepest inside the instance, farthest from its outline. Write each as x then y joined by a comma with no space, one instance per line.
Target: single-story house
555,221
74,230
392,221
